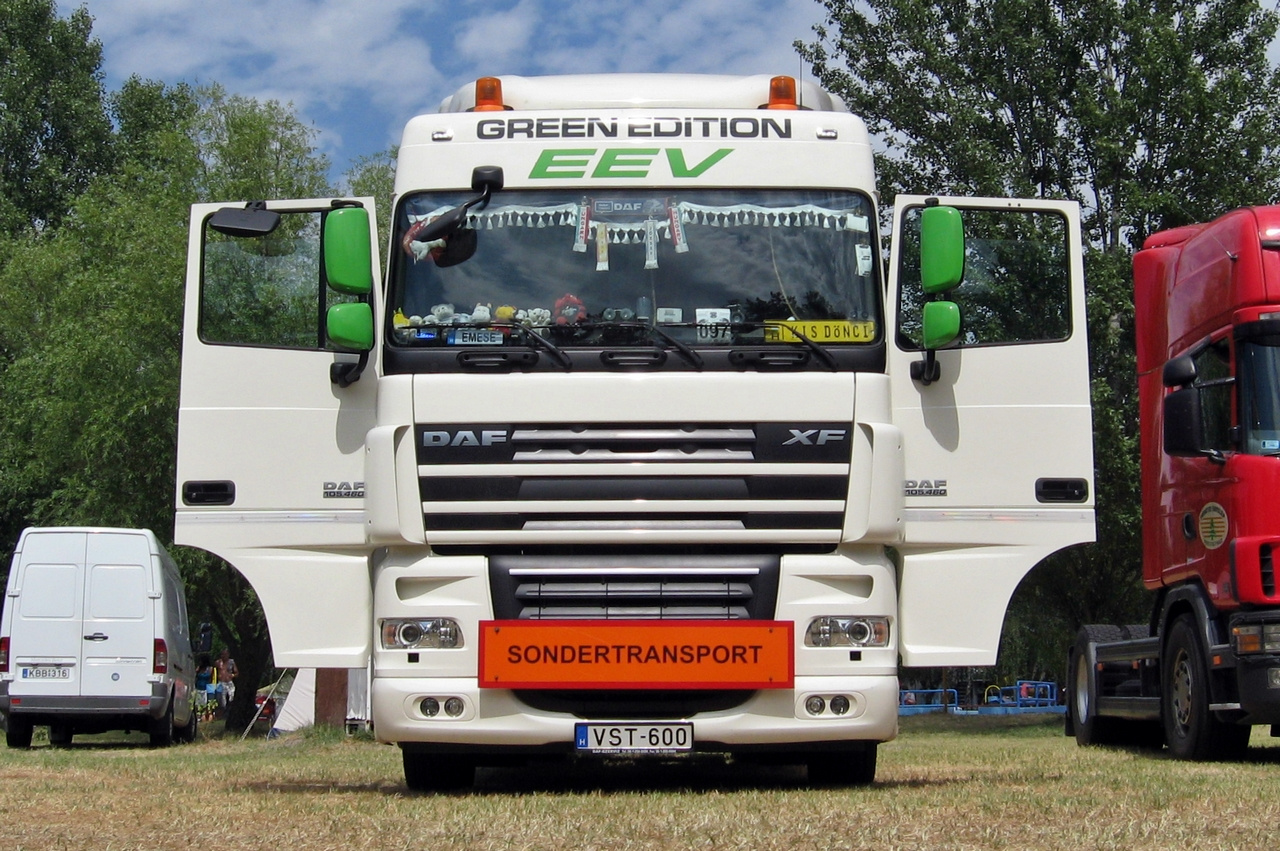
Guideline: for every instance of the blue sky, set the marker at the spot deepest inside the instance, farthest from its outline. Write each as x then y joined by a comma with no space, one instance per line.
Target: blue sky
359,69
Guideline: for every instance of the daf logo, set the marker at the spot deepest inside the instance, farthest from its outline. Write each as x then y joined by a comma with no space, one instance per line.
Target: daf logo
801,437
463,438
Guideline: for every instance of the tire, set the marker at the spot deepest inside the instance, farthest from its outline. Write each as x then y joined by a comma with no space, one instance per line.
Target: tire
1082,689
844,768
1192,731
428,773
161,729
17,733
188,733
60,735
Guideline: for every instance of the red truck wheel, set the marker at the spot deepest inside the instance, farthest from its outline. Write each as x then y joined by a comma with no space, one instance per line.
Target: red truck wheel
1191,729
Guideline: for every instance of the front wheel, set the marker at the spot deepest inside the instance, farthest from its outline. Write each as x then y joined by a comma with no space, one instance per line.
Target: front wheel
844,768
425,773
1192,731
60,735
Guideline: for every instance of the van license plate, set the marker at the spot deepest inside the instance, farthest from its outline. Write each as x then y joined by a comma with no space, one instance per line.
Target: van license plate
45,672
633,738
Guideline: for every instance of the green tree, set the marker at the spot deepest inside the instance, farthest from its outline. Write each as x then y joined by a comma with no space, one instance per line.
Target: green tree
1151,115
375,175
91,331
54,132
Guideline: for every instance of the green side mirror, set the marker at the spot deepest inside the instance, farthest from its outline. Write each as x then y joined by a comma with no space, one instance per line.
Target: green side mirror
350,326
941,249
348,258
941,323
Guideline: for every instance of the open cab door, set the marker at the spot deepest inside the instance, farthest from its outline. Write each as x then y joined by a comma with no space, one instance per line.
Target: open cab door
990,381
278,392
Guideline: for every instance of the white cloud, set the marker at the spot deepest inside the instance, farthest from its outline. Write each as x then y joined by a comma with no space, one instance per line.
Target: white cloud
359,70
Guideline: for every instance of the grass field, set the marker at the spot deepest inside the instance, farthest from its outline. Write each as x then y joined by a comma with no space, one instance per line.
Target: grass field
944,783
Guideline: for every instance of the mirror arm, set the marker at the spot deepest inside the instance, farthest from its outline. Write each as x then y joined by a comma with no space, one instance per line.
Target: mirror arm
345,373
928,370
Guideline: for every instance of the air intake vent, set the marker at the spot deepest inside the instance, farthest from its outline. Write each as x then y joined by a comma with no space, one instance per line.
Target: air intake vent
1268,570
634,588
660,483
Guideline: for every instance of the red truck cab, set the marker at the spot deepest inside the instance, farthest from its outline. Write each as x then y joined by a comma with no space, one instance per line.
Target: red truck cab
1207,668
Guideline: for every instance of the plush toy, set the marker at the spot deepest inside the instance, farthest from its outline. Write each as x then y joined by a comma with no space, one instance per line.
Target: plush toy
570,310
399,320
442,313
504,315
482,314
420,250
534,317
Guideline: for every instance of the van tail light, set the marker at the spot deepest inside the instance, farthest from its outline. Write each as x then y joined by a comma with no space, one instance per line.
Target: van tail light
161,658
4,655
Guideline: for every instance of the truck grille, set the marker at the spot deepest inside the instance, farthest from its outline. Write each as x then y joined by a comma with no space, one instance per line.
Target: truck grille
666,587
661,483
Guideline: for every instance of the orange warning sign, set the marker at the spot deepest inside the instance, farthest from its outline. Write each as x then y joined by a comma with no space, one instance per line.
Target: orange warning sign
636,654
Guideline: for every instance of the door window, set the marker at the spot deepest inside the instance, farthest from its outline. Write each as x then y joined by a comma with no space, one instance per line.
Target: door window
1017,278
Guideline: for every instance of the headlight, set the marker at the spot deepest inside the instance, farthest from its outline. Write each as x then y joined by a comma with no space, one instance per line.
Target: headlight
420,633
847,632
1256,638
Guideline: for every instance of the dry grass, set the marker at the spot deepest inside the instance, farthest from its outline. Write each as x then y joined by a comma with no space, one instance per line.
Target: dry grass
946,783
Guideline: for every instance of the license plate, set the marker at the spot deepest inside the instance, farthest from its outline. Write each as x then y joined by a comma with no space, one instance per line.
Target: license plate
633,738
475,337
44,672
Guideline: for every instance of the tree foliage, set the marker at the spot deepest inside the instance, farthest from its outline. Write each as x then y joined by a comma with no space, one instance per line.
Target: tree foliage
55,136
1151,115
91,305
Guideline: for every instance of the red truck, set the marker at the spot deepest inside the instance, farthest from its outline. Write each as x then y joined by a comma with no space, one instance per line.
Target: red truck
1206,668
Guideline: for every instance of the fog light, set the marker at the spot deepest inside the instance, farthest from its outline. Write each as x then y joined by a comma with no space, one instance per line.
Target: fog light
453,707
430,707
1273,677
840,704
815,705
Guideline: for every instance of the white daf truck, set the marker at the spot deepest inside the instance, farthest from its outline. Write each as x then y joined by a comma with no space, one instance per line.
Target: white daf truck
637,447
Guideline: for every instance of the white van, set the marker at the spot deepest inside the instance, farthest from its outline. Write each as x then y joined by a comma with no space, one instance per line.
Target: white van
94,637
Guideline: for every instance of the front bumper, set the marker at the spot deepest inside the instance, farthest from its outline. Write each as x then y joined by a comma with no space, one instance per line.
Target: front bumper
496,720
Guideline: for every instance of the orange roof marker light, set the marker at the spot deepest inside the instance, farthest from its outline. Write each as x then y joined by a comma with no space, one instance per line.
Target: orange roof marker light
489,95
782,93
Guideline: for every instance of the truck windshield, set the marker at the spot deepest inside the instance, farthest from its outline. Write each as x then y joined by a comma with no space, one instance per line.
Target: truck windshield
1260,395
706,267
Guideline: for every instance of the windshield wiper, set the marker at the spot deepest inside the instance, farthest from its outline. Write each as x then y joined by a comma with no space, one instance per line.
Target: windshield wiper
820,351
554,350
689,354
652,331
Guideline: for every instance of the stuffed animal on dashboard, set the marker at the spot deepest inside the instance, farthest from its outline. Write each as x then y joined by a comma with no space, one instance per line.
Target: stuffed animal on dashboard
569,310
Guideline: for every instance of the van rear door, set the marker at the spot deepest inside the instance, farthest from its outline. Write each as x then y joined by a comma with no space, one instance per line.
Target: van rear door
48,599
120,598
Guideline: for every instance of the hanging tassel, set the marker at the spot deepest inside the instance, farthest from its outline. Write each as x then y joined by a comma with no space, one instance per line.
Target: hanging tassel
650,244
581,227
677,232
602,247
